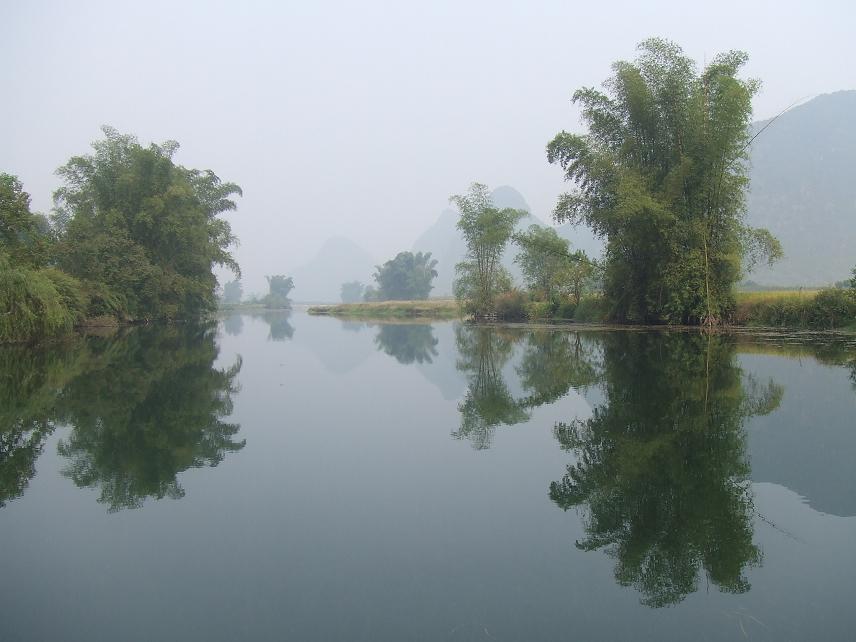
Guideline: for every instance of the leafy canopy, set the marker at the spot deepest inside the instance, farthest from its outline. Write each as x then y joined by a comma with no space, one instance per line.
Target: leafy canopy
406,277
142,231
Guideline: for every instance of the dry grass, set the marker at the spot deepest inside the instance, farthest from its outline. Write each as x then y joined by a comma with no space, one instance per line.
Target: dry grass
430,309
769,296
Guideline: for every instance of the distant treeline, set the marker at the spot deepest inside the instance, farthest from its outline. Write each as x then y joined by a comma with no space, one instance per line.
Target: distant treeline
133,237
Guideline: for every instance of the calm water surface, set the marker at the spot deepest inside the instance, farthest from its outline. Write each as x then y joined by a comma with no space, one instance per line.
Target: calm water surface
288,477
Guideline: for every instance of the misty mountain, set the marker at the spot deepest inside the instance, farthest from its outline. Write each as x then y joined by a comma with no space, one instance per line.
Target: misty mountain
803,190
445,243
339,260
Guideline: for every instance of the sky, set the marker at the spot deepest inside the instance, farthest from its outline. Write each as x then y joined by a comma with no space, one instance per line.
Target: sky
360,119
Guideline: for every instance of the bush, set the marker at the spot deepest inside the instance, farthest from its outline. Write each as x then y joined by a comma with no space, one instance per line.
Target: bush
827,310
565,310
37,304
591,308
511,306
539,310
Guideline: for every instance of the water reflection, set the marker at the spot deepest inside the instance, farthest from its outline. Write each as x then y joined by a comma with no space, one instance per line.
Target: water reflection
407,343
29,380
234,324
279,327
488,403
141,408
661,472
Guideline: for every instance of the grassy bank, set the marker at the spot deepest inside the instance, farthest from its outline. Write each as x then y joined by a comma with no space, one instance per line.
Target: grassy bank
430,309
828,309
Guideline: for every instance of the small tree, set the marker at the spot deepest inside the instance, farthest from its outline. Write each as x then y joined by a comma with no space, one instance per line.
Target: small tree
352,292
486,230
279,286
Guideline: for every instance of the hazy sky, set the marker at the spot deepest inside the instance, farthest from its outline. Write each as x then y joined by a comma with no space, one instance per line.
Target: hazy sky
361,118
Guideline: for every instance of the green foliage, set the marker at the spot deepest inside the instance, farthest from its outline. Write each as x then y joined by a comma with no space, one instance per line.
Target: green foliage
407,277
145,230
511,305
22,235
279,287
352,292
37,304
486,231
233,292
591,309
661,176
661,471
827,310
543,257
539,310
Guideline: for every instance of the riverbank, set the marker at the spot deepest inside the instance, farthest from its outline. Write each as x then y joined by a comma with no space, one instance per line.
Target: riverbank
429,309
827,310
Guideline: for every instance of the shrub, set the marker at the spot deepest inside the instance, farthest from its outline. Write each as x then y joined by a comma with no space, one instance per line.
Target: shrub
538,310
511,306
591,308
565,310
37,304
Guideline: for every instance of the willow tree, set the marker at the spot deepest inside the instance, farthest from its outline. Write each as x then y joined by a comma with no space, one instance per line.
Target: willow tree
661,176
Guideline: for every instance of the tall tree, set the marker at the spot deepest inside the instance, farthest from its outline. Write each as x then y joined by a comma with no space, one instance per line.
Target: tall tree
661,175
143,232
406,277
486,230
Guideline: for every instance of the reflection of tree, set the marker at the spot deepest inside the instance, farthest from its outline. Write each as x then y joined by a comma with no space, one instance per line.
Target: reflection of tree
151,407
483,351
233,324
280,328
407,343
29,380
554,362
661,471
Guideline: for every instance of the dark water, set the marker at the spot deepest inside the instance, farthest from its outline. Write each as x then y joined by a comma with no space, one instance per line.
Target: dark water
302,478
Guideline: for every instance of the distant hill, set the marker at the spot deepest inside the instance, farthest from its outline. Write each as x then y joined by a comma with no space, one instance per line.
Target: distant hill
803,189
444,240
339,260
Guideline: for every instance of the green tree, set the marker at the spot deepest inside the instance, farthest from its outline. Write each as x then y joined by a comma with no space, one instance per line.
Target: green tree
142,232
661,175
352,292
486,230
661,472
406,277
278,288
233,292
544,256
